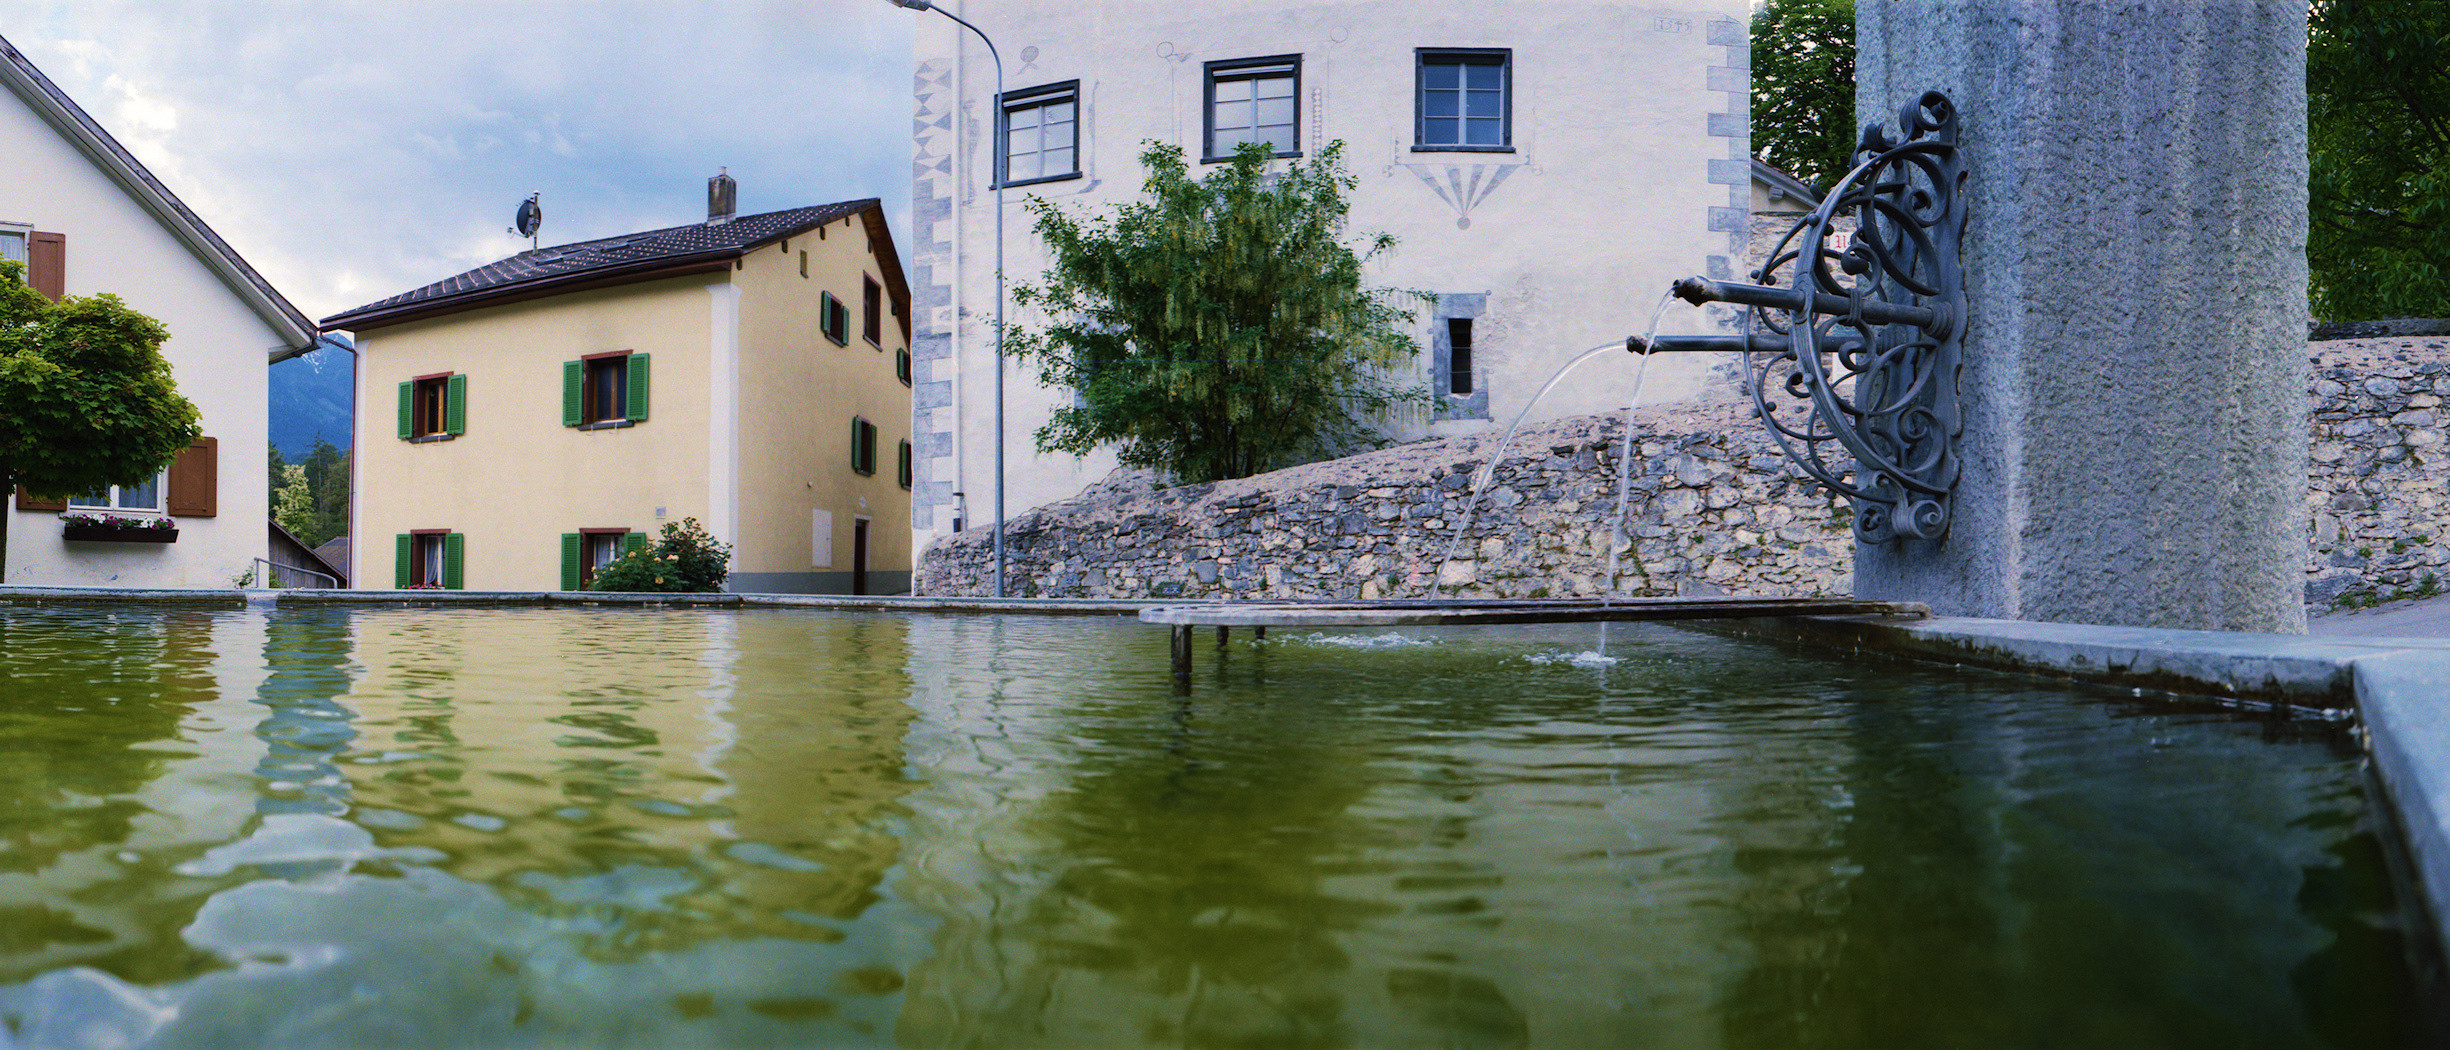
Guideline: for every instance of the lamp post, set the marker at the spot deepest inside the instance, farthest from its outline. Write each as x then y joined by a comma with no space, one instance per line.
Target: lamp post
995,165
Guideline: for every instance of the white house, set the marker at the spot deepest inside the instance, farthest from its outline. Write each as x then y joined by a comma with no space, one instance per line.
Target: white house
1548,169
87,218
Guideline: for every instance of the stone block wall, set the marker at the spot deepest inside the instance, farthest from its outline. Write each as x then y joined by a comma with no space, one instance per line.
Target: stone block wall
2381,471
1714,509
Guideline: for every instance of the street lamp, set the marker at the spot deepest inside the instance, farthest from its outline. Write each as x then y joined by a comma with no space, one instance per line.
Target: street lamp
996,166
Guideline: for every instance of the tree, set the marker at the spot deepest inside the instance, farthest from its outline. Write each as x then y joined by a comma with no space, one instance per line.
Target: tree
1803,88
86,398
1217,327
2378,151
310,498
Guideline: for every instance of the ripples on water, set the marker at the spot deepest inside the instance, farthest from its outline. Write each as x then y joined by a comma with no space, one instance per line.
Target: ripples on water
790,828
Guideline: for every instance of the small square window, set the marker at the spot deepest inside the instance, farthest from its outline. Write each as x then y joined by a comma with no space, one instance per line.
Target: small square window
426,414
1041,133
1464,100
1459,356
1254,100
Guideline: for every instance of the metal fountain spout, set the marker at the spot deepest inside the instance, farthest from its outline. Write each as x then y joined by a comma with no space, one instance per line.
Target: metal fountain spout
1864,331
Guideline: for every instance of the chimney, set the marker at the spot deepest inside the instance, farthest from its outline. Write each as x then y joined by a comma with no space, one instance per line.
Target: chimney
722,195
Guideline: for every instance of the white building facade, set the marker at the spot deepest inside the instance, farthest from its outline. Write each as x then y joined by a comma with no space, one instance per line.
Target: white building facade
1546,168
89,219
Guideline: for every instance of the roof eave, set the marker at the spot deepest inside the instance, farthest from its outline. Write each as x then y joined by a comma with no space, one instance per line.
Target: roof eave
536,288
296,332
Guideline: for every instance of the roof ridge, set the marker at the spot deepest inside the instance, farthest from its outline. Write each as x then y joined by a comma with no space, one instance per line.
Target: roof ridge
608,256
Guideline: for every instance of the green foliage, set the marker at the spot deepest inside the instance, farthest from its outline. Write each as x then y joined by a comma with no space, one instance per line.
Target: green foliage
684,559
2378,151
86,398
292,506
1803,87
1217,327
318,508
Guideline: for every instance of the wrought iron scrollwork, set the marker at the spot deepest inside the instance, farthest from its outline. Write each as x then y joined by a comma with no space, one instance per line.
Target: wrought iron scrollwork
1865,331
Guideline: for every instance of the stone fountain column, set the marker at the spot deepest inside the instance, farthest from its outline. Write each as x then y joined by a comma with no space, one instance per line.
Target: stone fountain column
2135,375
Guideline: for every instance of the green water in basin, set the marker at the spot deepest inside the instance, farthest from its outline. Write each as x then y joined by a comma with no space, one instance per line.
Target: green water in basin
766,827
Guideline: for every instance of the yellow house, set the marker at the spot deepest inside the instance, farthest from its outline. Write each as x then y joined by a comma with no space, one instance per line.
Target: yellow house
751,372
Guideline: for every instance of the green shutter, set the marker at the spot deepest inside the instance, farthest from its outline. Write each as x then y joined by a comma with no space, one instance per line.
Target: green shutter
399,574
454,558
570,546
633,542
834,318
408,410
455,406
638,388
573,378
904,469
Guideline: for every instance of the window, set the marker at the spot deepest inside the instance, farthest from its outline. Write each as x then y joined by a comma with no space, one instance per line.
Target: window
1459,356
872,311
905,467
13,239
143,497
434,407
430,558
1465,100
1042,133
1254,100
834,319
587,550
901,366
603,391
863,446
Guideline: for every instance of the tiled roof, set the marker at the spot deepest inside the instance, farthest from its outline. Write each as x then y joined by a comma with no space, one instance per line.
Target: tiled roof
628,255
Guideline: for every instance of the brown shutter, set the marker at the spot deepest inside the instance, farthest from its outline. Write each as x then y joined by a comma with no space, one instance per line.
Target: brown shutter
195,480
47,263
29,501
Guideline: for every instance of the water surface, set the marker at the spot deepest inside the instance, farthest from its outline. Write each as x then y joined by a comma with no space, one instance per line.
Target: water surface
774,827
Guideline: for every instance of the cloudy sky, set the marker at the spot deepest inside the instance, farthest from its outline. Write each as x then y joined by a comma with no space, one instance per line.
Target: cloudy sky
355,150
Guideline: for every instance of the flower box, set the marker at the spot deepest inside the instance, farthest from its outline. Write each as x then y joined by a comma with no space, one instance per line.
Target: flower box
118,534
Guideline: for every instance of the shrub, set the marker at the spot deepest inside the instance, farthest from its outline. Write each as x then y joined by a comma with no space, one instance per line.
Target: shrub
685,558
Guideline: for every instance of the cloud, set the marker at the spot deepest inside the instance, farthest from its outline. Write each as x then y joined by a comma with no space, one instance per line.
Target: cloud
352,151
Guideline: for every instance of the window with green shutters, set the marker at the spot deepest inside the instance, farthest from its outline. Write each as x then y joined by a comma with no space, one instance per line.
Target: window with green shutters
430,558
905,467
863,445
587,550
834,318
604,391
434,408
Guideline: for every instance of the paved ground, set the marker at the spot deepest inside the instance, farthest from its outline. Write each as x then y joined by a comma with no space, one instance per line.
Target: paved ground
2420,617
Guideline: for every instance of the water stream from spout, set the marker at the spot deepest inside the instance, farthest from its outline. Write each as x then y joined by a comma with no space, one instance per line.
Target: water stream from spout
1488,470
1619,540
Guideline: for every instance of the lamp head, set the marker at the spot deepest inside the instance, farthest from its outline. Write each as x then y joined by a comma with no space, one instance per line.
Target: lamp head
915,5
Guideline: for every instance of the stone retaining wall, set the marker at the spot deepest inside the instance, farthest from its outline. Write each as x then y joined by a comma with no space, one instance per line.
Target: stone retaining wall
1715,509
2381,471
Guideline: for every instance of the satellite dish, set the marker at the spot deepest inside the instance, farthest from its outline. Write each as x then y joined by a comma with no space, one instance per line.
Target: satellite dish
531,216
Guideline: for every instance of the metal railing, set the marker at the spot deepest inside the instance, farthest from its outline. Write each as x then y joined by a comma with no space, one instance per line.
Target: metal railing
277,575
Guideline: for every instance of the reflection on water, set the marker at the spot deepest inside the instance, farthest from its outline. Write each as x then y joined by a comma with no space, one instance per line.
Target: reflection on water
388,827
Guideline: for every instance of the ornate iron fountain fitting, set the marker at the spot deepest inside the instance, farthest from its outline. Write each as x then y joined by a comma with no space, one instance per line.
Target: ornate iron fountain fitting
1863,329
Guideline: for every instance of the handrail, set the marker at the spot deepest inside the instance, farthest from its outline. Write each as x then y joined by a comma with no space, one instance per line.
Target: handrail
273,569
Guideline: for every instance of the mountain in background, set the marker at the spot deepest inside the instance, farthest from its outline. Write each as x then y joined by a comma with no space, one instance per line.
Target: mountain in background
310,399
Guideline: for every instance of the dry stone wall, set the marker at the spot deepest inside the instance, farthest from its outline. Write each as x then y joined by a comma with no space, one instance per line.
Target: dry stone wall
2381,471
1713,509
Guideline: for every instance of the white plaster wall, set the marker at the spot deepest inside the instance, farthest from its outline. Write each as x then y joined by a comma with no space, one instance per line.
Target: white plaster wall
1630,170
218,349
